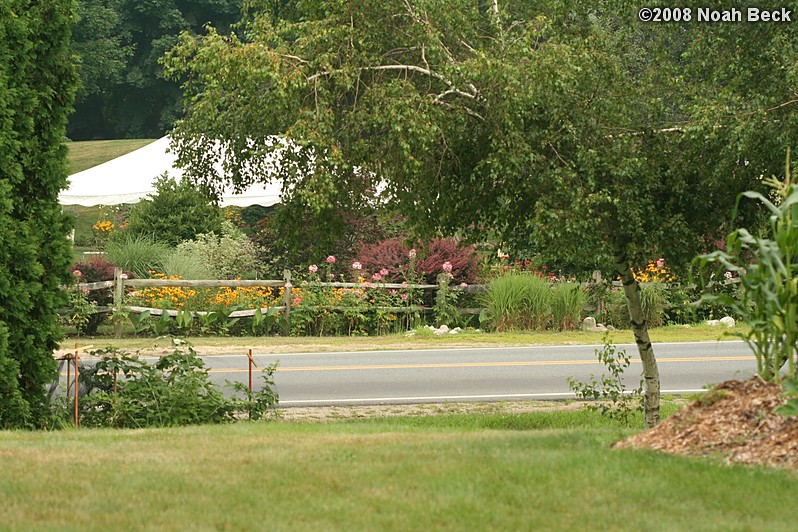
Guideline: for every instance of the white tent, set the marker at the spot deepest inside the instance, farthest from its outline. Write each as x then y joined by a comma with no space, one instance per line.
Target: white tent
131,177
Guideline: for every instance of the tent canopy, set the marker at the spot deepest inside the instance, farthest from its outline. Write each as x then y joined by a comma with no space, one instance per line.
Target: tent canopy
131,178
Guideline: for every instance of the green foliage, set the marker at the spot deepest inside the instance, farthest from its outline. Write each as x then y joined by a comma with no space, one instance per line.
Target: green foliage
227,255
567,303
119,42
614,401
652,298
519,301
80,311
790,408
176,213
98,44
183,263
140,254
127,392
767,266
37,82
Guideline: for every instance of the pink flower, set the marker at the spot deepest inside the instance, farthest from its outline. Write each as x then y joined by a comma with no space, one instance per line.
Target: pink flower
376,277
77,273
357,266
392,292
296,301
660,263
313,268
412,253
86,291
331,275
384,272
404,297
447,267
463,285
331,259
404,284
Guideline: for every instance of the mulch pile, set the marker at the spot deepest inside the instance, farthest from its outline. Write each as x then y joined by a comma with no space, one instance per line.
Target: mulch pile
735,420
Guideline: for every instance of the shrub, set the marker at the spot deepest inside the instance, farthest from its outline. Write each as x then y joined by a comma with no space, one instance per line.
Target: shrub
139,254
227,255
183,264
176,213
127,392
394,255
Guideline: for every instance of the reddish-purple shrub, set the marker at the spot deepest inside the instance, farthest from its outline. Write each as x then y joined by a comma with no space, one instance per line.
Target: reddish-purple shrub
394,255
391,254
97,268
462,258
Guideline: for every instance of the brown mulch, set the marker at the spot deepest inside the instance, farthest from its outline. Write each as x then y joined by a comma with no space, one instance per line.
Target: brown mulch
735,420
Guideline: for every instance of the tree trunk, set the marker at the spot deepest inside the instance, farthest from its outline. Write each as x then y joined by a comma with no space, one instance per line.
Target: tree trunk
640,329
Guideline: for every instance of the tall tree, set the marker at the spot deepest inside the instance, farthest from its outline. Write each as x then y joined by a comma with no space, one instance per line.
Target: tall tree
512,116
37,82
136,101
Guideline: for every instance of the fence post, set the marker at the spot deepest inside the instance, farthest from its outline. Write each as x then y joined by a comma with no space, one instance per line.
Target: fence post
287,301
119,284
440,296
600,292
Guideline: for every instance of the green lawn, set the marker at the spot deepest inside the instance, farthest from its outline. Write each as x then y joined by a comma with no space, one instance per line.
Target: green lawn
537,471
86,154
676,333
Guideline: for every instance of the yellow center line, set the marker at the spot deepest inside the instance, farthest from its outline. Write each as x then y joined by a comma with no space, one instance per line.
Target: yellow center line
485,364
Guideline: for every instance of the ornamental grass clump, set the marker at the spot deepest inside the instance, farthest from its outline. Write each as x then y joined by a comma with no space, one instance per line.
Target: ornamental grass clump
567,302
519,301
139,254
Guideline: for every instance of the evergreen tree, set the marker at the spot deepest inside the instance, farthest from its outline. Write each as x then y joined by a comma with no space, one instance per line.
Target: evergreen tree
37,82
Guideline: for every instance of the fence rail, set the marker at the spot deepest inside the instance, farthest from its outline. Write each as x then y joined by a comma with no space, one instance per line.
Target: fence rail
121,281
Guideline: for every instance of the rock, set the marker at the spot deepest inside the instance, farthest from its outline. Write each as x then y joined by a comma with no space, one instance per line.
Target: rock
610,328
444,328
454,331
410,333
438,332
728,321
589,324
712,323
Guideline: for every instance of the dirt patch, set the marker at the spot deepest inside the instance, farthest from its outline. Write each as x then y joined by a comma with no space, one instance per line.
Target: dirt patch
337,413
735,420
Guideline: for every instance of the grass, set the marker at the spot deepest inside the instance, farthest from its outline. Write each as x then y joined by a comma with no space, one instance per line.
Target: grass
466,472
676,333
87,154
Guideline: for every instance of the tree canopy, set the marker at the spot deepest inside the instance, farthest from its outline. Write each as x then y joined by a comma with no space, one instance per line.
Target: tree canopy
569,125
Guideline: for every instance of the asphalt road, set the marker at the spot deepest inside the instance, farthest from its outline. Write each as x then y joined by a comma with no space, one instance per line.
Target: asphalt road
475,374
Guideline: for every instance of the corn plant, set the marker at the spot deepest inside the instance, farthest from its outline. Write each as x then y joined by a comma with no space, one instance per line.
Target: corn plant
768,270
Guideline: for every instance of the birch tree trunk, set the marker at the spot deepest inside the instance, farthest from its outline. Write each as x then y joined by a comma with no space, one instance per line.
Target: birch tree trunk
640,329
